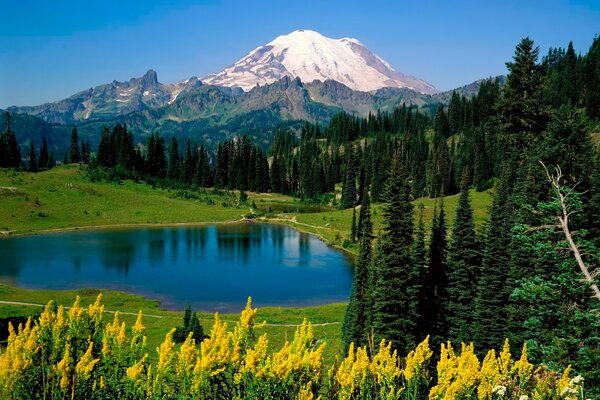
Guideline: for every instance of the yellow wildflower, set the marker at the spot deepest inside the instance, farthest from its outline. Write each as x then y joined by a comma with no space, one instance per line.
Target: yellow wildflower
489,375
187,356
165,351
136,369
214,351
76,311
64,368
506,361
86,363
385,364
47,317
95,310
416,361
522,369
138,328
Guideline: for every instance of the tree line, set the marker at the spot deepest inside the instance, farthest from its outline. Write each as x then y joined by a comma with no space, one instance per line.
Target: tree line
516,279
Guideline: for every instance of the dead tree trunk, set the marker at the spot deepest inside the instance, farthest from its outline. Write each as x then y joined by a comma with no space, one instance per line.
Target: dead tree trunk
563,220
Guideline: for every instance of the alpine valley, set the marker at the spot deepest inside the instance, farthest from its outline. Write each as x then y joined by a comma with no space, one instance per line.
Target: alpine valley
302,76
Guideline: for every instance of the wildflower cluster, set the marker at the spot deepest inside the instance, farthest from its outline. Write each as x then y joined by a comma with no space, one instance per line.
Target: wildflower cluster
70,354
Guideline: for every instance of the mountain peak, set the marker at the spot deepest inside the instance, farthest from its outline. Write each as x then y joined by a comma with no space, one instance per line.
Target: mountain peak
150,77
310,56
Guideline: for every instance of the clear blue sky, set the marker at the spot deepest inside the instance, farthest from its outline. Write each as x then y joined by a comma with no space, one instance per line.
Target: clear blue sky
52,49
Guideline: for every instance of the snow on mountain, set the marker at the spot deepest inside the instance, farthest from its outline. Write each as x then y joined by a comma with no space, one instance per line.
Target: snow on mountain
311,56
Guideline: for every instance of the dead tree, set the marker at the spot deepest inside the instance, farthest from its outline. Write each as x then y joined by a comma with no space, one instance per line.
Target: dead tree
562,195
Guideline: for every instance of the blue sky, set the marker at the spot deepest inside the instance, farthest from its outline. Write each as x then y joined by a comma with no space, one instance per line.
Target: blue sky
52,49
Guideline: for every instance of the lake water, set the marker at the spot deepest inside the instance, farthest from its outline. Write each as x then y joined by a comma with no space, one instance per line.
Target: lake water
213,268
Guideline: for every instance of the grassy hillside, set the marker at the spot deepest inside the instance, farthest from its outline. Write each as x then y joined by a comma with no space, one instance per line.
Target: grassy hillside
335,226
63,198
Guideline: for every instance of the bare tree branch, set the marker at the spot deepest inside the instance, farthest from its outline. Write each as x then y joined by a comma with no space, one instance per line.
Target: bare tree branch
563,219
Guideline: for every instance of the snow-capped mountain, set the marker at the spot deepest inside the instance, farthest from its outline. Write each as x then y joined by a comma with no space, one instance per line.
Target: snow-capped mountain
311,56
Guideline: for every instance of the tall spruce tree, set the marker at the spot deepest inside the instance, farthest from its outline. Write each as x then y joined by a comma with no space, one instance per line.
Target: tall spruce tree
104,155
349,189
44,156
397,281
435,282
33,164
523,114
493,290
358,317
464,258
12,152
74,155
174,167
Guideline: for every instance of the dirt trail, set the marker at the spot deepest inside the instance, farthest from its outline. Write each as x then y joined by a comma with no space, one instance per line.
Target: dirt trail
21,303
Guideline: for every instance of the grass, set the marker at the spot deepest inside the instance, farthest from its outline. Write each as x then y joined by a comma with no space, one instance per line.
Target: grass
62,198
335,226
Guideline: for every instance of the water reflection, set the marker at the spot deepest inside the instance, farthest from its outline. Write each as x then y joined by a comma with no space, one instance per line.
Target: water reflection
214,268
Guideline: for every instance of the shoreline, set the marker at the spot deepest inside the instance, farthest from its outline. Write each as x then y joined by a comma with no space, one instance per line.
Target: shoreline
116,227
263,220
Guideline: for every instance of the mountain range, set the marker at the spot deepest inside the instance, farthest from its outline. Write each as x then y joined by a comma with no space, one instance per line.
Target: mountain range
296,77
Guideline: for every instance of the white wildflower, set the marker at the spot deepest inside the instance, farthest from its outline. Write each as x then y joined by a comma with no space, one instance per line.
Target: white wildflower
576,381
499,391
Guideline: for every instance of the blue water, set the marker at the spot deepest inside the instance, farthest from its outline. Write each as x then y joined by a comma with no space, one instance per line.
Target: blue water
213,268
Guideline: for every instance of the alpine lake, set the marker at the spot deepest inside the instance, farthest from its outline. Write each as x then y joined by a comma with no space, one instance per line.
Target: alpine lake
211,268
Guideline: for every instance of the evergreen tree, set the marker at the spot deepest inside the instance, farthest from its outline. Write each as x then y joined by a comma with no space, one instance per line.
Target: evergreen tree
85,152
353,231
44,157
191,324
522,110
491,302
104,155
12,152
189,163
156,163
397,281
364,215
33,165
174,167
74,154
568,144
463,262
349,190
592,80
434,295
356,327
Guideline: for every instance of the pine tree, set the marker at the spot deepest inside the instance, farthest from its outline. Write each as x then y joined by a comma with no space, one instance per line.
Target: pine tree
592,80
434,295
174,167
104,149
74,156
358,317
397,281
191,324
156,163
522,110
491,302
419,256
349,190
85,152
44,157
353,231
364,215
33,165
12,152
463,262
